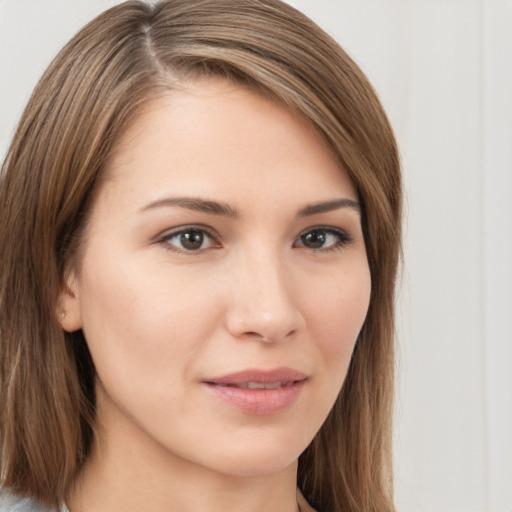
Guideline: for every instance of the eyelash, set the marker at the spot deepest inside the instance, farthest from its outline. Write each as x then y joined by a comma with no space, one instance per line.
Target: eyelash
165,239
343,239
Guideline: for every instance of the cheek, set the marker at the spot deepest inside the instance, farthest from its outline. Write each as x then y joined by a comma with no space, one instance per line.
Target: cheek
337,314
139,323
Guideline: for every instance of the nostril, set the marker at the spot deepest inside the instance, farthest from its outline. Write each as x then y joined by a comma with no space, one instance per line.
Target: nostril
261,337
268,338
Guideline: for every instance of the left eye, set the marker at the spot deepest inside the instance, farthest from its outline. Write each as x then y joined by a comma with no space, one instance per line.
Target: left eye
323,239
189,240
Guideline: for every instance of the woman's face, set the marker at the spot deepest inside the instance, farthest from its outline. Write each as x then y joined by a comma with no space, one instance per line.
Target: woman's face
223,282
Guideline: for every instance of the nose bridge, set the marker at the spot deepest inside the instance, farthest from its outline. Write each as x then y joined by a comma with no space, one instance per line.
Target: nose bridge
262,299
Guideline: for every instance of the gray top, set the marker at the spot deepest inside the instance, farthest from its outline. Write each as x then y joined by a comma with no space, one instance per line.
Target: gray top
12,503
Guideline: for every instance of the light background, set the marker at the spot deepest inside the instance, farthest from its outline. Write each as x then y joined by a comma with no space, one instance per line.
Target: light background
443,69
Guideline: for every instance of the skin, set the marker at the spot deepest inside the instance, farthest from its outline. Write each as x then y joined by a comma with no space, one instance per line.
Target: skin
255,293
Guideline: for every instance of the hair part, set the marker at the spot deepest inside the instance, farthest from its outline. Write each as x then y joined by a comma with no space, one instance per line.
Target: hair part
98,83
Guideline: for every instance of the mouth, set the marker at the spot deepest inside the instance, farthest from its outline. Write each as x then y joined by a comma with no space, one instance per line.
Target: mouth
259,379
262,385
259,392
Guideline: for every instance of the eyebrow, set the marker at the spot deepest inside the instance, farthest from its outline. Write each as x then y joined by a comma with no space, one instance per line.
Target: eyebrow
195,204
223,209
328,206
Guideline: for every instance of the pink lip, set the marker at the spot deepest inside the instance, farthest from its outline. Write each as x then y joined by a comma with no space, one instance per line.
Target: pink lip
231,388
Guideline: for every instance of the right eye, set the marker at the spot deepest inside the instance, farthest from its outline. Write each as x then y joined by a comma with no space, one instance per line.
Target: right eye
188,240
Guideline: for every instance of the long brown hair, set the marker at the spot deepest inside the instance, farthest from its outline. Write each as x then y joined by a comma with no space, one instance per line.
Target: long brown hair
128,55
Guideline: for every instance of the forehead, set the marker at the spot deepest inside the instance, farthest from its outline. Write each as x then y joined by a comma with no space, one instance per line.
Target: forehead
213,133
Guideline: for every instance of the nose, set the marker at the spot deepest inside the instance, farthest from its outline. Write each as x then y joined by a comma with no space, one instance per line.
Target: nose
263,304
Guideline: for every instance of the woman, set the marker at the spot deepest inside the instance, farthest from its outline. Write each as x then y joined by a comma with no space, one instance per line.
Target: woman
200,234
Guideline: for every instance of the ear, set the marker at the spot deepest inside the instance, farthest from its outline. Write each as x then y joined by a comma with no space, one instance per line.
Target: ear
69,313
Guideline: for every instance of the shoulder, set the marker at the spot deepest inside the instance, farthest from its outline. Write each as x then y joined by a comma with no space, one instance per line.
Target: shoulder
13,503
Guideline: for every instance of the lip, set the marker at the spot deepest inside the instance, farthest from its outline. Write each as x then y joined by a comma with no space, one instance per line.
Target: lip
276,390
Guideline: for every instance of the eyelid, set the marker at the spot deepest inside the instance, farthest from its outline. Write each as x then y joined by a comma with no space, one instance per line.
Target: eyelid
344,238
342,235
164,237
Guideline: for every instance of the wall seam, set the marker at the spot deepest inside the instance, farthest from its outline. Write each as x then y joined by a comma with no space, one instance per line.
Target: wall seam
483,254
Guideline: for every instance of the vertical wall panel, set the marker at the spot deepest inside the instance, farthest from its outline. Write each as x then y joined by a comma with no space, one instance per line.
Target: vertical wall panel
497,192
443,414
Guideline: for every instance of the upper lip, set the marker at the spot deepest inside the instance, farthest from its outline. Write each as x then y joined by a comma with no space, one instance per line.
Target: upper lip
259,376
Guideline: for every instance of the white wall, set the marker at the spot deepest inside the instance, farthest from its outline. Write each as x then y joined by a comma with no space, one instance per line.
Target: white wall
444,72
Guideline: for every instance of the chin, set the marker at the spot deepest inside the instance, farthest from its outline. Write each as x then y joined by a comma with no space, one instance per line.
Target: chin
257,456
257,465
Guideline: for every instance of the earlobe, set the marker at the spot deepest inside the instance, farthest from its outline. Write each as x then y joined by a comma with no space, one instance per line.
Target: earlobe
69,313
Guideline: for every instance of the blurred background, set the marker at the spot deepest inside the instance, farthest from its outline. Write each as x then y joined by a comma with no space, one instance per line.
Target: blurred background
443,69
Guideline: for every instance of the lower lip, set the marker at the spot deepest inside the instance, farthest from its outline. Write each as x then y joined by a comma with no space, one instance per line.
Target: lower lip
258,402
